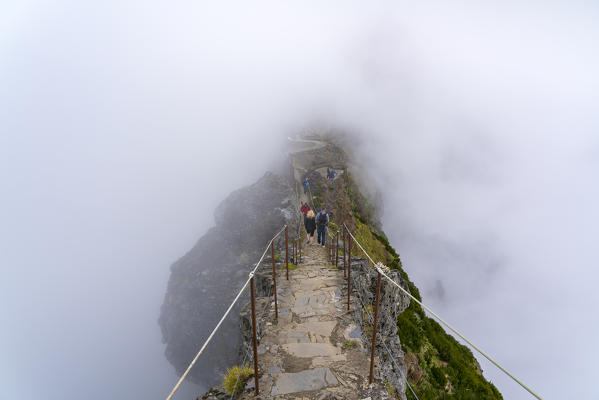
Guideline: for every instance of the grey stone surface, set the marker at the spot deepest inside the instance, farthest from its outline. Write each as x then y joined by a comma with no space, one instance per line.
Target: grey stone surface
311,349
313,379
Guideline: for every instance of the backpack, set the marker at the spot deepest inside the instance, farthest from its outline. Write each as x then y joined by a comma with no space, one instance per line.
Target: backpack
321,219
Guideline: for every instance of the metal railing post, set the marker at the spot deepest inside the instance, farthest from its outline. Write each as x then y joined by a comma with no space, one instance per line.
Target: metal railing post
337,250
331,250
255,340
287,251
376,320
274,279
300,249
348,271
344,264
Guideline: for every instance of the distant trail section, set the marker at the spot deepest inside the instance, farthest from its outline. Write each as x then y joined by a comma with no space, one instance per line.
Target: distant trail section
304,145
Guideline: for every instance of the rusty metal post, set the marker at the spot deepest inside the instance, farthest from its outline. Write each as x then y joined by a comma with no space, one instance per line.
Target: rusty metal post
344,251
274,279
255,340
300,249
332,251
376,321
348,271
337,250
287,251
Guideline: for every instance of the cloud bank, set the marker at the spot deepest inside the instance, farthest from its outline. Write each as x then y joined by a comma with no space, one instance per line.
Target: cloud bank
125,123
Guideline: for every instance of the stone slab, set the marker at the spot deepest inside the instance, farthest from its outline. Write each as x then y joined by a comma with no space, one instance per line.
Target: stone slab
324,328
311,349
311,379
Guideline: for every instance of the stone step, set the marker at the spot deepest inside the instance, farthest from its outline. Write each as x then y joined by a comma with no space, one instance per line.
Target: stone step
311,349
303,381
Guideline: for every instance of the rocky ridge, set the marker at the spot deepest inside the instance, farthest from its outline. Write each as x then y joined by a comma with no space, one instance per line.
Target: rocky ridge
199,288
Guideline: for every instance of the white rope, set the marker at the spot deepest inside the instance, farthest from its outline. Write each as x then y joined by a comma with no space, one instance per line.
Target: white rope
443,321
251,275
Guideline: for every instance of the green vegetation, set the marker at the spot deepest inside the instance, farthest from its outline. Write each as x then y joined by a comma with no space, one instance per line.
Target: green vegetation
291,266
368,240
333,227
236,378
390,389
350,344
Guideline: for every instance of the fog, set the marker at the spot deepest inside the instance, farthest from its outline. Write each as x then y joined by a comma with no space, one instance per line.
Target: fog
123,124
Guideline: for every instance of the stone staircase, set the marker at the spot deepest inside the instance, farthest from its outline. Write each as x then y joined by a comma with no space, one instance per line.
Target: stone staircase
314,350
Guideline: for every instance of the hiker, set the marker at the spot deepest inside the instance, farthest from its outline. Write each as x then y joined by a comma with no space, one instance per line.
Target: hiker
310,225
305,208
306,184
332,174
322,220
328,173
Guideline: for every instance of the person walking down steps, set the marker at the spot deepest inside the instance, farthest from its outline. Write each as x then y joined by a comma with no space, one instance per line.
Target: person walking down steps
322,220
306,184
310,225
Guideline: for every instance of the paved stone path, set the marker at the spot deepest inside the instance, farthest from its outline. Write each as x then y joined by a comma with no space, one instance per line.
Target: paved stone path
307,353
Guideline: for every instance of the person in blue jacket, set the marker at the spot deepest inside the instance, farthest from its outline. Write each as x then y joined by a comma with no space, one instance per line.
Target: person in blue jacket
322,220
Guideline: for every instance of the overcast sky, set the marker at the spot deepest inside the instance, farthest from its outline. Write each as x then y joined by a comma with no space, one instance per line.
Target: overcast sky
124,123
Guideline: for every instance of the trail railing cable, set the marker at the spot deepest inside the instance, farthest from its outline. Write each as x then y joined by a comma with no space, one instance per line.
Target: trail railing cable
380,269
245,285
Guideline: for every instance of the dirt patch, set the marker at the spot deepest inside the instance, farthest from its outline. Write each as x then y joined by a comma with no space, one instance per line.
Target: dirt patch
295,364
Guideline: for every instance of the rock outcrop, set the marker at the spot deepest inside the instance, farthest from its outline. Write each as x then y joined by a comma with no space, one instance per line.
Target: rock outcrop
204,281
392,302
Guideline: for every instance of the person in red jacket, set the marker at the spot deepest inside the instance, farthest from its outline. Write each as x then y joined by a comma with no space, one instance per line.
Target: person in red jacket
305,208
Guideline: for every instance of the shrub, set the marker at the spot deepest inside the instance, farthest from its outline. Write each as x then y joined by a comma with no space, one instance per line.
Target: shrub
236,378
292,266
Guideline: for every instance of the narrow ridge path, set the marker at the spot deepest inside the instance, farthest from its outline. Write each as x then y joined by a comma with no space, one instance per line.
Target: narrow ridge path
307,354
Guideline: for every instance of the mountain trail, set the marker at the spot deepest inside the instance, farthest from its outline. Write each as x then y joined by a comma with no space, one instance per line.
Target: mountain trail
314,351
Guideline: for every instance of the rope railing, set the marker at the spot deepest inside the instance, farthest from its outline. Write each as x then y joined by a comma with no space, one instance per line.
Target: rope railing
245,285
382,273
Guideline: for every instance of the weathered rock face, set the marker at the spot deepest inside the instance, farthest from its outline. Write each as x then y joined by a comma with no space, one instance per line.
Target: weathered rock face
204,281
392,302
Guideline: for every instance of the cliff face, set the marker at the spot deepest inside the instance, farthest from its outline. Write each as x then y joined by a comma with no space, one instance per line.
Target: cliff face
205,280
